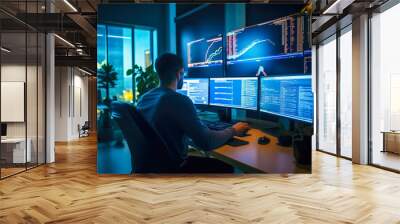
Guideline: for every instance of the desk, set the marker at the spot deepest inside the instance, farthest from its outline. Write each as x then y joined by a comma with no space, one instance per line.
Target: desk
13,150
255,158
391,141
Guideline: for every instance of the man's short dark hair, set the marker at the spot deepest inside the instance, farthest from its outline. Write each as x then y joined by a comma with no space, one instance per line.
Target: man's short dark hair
167,65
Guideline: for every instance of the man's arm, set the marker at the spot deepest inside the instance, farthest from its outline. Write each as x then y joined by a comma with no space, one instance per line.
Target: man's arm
202,136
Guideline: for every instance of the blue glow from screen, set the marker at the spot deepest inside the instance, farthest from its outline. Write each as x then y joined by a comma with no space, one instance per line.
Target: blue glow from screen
272,48
288,96
196,90
234,92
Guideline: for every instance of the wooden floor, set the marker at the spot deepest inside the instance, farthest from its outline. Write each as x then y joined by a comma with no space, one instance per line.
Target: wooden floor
387,159
70,191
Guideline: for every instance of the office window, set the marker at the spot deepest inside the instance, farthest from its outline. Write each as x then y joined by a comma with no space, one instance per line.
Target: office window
385,89
142,48
327,95
101,45
155,46
122,47
119,51
346,93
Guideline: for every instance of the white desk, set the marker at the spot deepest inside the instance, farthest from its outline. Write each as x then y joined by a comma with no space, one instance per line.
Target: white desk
17,146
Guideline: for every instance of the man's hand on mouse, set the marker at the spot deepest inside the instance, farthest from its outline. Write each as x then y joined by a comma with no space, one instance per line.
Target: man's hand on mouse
240,128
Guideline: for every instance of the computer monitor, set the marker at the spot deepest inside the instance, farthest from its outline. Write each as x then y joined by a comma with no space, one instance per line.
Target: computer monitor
3,130
269,48
196,89
234,92
205,56
288,96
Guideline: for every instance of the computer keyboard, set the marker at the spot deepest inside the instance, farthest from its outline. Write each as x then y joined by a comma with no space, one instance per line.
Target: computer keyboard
237,142
216,125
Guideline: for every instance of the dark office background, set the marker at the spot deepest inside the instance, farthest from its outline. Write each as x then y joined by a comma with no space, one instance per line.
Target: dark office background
204,23
147,15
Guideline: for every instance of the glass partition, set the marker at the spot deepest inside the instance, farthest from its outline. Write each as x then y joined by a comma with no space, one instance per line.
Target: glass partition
41,97
327,96
385,89
346,92
32,98
22,77
15,149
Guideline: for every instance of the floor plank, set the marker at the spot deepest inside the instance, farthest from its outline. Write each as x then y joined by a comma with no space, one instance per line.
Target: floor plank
70,191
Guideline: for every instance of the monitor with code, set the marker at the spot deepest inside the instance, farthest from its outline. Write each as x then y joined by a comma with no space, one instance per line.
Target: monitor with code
234,92
196,90
288,96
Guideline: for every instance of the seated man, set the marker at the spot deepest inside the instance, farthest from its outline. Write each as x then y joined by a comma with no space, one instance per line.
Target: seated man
174,117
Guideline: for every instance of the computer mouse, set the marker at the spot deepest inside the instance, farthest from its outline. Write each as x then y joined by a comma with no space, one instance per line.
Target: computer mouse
263,140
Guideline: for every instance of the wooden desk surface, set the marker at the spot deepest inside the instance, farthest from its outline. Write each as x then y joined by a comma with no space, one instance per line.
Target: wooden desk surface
253,157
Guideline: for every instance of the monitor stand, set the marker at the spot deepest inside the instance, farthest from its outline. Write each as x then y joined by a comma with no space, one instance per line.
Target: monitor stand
225,115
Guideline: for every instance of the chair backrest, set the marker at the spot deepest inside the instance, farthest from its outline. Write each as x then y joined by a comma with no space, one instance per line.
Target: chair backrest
148,150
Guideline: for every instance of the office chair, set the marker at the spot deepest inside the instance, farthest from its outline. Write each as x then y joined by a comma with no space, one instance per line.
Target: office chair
149,152
84,129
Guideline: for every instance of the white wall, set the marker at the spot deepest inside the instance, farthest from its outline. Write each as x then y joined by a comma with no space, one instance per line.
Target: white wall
71,102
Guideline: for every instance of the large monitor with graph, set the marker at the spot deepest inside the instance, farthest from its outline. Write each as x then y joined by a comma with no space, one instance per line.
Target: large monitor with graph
288,96
205,56
271,48
234,92
196,89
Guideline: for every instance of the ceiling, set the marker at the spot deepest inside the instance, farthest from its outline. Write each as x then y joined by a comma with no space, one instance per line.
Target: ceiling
336,14
73,21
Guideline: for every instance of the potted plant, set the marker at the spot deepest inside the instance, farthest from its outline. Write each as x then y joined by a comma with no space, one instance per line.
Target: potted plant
145,79
106,78
302,143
